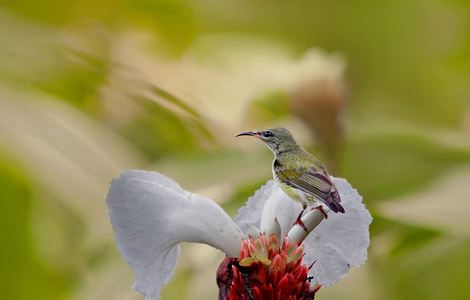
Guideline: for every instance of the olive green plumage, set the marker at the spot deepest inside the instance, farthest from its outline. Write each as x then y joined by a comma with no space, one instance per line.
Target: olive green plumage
299,174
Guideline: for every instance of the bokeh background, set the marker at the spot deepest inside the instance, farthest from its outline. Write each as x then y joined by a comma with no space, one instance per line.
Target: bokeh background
379,90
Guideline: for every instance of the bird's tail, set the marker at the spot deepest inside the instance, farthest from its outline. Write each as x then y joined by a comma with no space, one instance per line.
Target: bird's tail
334,203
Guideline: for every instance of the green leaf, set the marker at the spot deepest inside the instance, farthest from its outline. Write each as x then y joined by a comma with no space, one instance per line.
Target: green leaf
269,107
158,131
437,271
391,165
23,275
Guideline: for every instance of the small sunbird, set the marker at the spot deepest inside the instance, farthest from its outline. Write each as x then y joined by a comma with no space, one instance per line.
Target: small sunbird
299,174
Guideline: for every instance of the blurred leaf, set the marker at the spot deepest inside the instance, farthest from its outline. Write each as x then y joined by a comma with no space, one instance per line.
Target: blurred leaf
413,238
440,206
175,100
391,165
78,84
394,73
34,55
22,273
269,107
195,118
420,263
407,237
170,19
438,271
158,131
50,11
203,169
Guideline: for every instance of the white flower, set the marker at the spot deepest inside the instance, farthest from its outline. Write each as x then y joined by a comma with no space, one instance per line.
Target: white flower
336,245
151,214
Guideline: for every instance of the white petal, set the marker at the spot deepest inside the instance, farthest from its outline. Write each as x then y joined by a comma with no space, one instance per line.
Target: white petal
249,216
274,229
200,220
341,241
151,214
281,208
336,244
267,204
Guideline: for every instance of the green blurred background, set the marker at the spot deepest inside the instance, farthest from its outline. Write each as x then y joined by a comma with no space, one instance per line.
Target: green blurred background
379,90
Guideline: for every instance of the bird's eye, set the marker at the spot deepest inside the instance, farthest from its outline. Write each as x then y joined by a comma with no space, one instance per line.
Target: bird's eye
267,134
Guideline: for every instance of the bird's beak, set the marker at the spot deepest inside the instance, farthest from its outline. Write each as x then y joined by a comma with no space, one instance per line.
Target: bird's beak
249,133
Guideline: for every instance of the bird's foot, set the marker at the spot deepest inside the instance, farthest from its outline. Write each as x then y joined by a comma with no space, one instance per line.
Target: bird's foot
299,221
320,208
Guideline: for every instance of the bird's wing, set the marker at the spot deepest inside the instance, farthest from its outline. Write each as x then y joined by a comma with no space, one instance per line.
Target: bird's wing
309,181
313,182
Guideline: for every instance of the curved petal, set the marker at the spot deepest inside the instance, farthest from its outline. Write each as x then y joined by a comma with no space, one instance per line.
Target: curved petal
341,241
249,216
336,244
281,208
151,214
269,203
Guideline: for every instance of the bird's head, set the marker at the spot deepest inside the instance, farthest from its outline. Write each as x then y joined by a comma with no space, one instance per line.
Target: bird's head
277,139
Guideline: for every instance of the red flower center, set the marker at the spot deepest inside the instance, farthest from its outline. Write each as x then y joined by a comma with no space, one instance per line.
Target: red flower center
265,271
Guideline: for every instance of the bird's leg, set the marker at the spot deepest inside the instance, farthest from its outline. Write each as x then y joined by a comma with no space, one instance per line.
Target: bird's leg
299,220
320,208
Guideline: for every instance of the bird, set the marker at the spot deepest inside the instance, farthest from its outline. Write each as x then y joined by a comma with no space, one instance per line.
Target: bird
301,175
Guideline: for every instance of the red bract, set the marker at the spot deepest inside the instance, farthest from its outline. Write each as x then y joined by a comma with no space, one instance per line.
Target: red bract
265,271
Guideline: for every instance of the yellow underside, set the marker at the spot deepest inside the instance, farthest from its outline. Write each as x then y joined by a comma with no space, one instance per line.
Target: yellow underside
297,195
